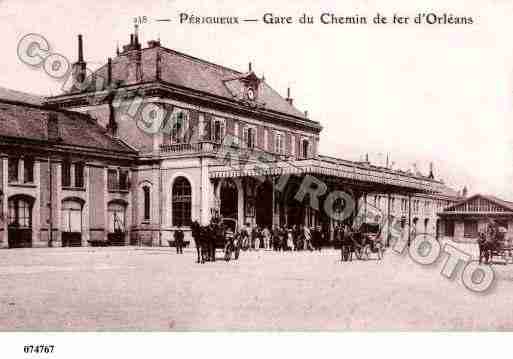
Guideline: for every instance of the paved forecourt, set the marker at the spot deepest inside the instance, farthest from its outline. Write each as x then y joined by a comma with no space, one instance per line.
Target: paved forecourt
156,289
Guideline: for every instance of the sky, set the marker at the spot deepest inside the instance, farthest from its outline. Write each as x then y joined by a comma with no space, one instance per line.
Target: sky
419,93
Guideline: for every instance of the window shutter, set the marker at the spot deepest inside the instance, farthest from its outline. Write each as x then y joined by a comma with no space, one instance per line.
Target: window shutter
207,126
270,140
260,137
287,143
245,137
230,127
241,133
193,130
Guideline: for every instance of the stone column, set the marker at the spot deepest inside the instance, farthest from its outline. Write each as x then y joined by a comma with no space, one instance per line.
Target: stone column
409,219
207,193
5,206
240,202
388,221
85,210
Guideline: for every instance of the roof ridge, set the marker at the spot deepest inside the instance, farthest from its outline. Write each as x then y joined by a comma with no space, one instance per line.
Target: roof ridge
194,58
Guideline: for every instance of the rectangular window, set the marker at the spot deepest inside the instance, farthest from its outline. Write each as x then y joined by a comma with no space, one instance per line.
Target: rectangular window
28,170
146,193
217,131
180,125
13,169
249,137
112,180
123,180
79,175
66,174
279,143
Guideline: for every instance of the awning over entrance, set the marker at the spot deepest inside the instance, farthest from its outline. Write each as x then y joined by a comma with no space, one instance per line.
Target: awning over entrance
346,170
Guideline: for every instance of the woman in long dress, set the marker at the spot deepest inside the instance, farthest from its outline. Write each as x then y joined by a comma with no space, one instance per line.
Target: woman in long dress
290,240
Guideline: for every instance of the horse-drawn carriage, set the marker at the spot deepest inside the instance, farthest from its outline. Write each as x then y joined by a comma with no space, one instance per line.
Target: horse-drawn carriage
493,244
362,241
221,233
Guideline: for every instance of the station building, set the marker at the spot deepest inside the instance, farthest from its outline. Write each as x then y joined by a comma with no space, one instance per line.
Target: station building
465,219
91,165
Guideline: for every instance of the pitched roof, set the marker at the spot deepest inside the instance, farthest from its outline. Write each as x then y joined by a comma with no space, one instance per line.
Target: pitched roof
190,72
12,95
502,203
30,122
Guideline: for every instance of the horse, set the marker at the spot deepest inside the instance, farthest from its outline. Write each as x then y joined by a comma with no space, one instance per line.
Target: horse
347,244
197,230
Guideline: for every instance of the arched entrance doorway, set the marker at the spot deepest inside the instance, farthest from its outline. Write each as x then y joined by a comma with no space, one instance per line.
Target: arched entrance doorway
20,221
264,208
229,199
71,222
117,222
294,210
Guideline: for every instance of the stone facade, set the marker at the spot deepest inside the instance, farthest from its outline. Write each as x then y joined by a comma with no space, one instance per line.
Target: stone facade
149,146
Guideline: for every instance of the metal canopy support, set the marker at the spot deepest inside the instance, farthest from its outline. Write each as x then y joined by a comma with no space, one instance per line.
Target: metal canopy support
388,222
409,219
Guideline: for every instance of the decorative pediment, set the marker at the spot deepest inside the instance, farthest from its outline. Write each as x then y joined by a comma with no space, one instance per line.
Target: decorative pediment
481,204
245,87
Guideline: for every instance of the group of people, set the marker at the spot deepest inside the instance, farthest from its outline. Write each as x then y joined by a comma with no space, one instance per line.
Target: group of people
282,238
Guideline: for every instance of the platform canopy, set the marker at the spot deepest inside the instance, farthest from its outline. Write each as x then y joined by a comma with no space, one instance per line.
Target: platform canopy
356,173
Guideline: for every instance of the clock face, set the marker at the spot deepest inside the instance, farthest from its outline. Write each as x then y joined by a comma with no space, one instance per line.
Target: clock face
251,94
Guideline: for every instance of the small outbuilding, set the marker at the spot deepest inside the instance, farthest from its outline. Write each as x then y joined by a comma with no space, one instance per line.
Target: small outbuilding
464,220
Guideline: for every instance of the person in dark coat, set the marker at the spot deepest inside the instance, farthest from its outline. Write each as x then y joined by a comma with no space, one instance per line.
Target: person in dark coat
178,236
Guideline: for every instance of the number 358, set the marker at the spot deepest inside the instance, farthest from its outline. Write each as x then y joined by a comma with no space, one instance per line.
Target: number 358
140,19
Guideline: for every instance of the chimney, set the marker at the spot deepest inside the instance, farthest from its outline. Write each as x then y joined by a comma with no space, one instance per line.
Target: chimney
289,99
79,68
136,35
80,49
53,132
249,67
464,192
109,71
131,39
431,173
306,113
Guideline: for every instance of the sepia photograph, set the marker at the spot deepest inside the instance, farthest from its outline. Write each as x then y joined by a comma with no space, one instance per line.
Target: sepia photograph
228,166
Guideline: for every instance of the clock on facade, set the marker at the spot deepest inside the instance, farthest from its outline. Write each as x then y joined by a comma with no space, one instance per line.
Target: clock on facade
251,93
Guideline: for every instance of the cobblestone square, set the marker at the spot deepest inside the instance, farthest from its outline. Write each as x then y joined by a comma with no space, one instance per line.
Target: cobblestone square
156,289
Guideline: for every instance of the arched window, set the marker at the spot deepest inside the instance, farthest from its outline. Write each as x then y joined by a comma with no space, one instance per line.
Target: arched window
181,195
146,194
20,212
71,216
117,217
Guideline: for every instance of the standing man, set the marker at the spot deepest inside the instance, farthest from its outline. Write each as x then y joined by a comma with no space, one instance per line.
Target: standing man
308,239
178,236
